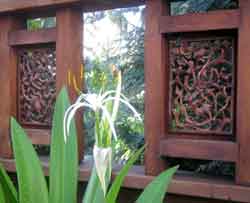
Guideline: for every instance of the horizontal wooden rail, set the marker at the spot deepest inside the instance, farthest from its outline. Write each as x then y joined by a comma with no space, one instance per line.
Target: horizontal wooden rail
212,20
199,149
39,136
25,37
182,184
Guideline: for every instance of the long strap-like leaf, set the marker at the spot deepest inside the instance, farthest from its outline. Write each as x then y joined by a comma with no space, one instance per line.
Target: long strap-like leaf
63,156
156,190
116,186
32,186
7,187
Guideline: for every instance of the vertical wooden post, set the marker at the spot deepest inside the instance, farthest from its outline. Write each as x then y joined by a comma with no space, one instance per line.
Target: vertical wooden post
8,83
156,77
69,56
243,95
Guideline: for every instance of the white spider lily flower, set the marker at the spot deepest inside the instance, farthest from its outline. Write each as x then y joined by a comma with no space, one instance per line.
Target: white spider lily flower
103,164
93,102
96,102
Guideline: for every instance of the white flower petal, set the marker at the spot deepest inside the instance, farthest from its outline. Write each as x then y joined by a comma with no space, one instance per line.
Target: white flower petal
127,104
70,114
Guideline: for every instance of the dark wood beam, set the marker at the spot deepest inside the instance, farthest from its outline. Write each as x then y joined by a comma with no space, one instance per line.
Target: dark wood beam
243,99
156,86
28,5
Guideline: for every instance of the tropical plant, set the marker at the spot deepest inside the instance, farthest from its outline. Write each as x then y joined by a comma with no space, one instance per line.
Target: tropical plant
63,175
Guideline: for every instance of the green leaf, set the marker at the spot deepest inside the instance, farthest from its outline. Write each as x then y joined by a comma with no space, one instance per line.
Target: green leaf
2,195
31,181
94,192
155,191
63,156
7,187
116,186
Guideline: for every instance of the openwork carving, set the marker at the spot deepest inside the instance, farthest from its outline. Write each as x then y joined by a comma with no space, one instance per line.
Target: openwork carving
201,85
37,85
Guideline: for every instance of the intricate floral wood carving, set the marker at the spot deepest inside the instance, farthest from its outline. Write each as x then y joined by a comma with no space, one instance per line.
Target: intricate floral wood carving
201,85
37,85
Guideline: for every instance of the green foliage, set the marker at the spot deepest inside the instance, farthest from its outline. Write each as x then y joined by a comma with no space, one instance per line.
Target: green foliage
41,23
32,186
63,157
194,6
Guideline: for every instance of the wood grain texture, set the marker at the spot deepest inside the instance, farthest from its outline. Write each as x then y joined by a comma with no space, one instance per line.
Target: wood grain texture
27,5
8,83
25,37
183,184
155,87
243,98
213,20
69,57
200,149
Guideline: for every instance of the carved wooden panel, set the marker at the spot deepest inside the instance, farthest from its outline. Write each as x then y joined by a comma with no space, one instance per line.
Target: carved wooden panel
202,85
37,85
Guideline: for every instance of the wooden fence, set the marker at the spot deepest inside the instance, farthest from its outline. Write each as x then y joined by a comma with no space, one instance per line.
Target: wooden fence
197,72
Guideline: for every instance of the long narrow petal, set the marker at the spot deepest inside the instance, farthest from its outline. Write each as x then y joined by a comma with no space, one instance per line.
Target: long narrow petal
127,104
70,114
112,92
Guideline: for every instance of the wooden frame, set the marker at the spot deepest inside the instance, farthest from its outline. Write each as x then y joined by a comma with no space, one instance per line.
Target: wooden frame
156,84
8,83
69,57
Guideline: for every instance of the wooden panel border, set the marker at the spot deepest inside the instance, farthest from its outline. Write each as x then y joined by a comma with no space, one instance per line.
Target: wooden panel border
25,37
212,20
39,136
200,149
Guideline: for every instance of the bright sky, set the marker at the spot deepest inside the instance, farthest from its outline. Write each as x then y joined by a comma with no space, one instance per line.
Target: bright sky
100,35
